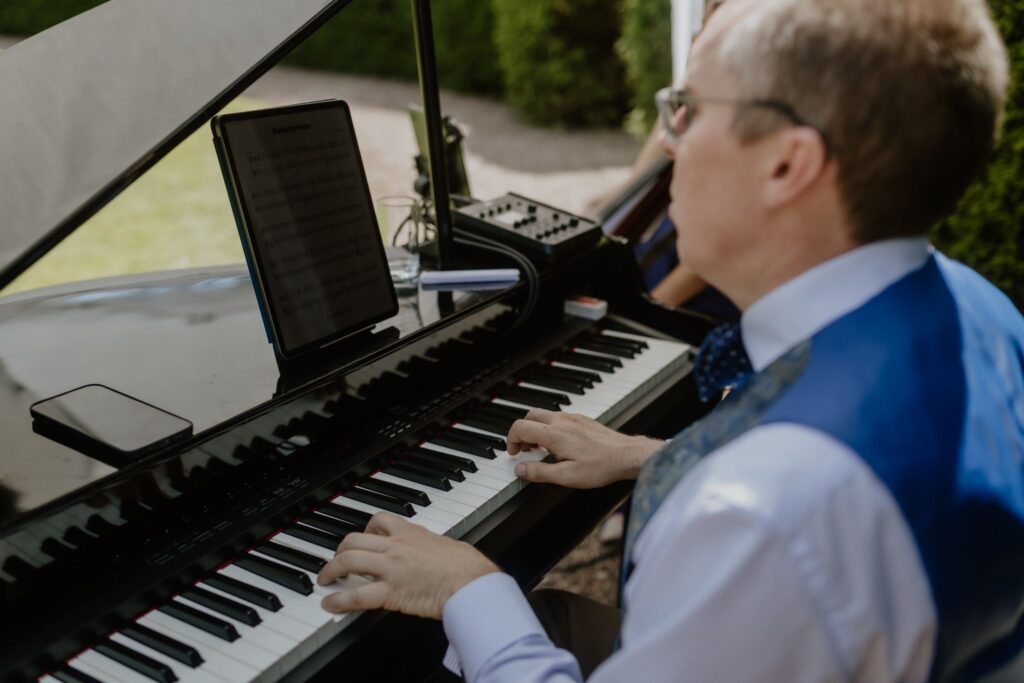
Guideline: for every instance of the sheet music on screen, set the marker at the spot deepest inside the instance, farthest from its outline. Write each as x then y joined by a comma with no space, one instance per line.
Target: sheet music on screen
302,191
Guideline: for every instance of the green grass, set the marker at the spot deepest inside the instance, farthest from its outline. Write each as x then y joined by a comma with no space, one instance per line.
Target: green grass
176,216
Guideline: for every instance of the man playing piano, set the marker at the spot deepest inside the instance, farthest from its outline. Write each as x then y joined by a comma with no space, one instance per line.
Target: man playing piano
854,508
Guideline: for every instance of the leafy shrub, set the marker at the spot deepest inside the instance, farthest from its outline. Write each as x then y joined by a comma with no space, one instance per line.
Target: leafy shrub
375,37
987,230
559,62
372,37
646,50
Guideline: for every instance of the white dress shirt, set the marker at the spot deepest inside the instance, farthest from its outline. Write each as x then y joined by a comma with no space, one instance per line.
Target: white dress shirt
779,557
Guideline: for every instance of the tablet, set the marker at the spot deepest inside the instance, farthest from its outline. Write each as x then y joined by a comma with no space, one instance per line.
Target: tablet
304,213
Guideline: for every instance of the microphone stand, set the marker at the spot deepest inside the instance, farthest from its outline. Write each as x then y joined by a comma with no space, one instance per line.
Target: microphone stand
426,64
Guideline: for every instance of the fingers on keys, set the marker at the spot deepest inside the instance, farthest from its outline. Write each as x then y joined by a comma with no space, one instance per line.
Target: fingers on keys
371,596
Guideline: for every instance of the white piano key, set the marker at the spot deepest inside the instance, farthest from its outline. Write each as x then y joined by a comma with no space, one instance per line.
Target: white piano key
436,496
438,515
487,470
113,668
319,592
184,672
284,538
272,642
279,622
583,401
89,668
214,660
239,650
305,608
638,361
428,522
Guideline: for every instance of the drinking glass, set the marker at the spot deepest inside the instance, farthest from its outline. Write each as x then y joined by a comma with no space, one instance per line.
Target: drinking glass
401,221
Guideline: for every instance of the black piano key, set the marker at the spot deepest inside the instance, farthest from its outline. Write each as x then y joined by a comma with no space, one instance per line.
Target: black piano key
69,674
419,475
462,446
201,620
165,645
582,376
533,397
314,536
485,440
589,361
345,404
443,469
289,578
356,518
243,591
140,663
56,549
488,424
498,410
337,528
543,380
396,491
416,365
610,349
99,526
18,568
453,473
133,510
444,459
218,603
624,341
609,340
295,558
544,373
383,502
78,537
456,442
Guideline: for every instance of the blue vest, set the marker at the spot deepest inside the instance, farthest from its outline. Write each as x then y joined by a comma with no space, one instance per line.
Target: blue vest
925,382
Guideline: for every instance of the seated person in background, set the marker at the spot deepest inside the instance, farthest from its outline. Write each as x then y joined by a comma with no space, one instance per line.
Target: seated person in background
853,510
667,279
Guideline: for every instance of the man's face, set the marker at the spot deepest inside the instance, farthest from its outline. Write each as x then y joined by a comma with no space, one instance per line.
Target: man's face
714,185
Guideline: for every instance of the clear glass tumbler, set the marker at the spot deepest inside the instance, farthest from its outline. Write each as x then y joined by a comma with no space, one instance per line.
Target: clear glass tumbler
401,222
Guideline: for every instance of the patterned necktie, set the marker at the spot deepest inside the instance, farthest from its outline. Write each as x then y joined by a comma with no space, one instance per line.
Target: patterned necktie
721,362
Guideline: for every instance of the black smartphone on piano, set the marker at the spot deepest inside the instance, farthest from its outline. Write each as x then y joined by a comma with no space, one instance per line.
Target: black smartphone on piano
305,217
106,424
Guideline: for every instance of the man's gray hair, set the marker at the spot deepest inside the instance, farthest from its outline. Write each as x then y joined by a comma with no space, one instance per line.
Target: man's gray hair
909,93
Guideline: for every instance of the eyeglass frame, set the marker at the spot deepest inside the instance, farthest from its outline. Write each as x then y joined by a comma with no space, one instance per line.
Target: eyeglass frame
670,100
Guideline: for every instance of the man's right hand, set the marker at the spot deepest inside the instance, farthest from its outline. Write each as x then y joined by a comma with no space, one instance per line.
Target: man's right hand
589,454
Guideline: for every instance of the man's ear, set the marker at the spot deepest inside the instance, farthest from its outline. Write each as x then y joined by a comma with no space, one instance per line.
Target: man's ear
797,160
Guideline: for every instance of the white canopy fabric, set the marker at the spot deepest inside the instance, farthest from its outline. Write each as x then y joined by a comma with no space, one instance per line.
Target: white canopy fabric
87,104
687,18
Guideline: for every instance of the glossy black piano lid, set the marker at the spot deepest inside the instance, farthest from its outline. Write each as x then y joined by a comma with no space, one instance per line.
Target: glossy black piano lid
92,103
191,342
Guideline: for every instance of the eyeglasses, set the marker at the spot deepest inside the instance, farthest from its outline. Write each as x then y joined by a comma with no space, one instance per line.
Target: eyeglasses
678,107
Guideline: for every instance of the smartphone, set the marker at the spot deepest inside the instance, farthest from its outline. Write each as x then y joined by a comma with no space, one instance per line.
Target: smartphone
107,425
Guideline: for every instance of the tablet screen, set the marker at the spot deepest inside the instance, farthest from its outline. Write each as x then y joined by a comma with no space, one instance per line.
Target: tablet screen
308,223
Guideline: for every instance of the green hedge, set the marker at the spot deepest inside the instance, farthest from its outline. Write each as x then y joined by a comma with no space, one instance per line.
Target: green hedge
25,17
987,230
646,50
375,37
369,37
559,61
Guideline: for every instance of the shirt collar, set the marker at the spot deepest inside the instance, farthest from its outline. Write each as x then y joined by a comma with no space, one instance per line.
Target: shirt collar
798,309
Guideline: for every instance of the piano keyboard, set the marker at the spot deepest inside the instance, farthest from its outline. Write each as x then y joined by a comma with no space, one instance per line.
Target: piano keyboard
257,617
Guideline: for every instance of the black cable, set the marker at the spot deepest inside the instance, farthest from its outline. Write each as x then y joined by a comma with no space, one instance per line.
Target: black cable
529,270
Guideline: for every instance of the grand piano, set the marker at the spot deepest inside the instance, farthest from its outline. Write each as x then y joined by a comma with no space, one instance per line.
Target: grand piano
195,562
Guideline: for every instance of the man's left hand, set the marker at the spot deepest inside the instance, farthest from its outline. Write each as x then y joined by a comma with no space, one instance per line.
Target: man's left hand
415,571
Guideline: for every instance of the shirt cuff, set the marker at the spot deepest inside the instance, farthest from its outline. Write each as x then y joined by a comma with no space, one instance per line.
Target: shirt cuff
484,617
